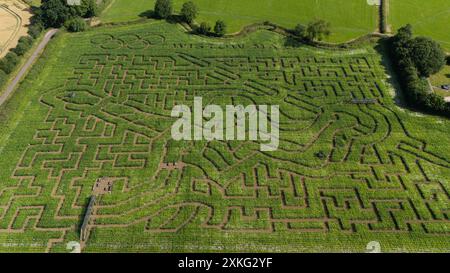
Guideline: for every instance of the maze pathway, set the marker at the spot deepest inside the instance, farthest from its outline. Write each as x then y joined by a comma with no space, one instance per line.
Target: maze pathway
341,168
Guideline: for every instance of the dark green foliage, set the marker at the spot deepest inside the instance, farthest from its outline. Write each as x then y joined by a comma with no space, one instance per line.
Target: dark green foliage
35,29
3,78
220,28
9,62
417,58
76,24
203,29
163,9
23,45
318,30
320,155
55,12
299,30
427,55
88,8
21,49
189,12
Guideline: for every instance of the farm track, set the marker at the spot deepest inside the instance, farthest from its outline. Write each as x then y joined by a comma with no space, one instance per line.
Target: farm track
25,68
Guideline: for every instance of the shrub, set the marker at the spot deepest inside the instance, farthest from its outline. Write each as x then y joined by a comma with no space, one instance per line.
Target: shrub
299,30
89,8
189,12
9,62
317,30
427,56
54,12
204,28
220,28
26,40
20,49
163,9
3,78
35,30
23,45
76,25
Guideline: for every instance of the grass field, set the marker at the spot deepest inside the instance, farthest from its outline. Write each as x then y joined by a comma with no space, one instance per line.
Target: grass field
442,78
430,18
99,106
350,19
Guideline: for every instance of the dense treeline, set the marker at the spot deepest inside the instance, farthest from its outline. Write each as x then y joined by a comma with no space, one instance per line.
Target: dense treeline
417,59
55,13
189,12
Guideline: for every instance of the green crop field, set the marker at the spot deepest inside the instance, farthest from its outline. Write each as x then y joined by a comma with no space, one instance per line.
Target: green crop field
430,18
98,105
350,19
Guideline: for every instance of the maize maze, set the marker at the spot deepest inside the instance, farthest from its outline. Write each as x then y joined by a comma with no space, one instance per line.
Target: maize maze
342,167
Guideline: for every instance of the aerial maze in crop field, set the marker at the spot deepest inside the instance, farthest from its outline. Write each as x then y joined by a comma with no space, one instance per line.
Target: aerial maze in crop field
348,171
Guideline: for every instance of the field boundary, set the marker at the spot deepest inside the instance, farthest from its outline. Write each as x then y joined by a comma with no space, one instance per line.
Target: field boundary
383,17
268,26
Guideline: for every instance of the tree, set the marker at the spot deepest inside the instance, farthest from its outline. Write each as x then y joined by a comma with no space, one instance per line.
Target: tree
220,28
23,45
204,28
3,77
163,8
89,8
299,30
427,55
54,12
35,29
9,62
317,30
76,24
189,12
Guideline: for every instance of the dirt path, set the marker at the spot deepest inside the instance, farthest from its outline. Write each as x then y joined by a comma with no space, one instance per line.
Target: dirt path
23,71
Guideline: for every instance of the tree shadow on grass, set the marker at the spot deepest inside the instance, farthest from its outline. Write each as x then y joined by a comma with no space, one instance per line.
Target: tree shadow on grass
150,14
383,49
291,41
175,19
147,14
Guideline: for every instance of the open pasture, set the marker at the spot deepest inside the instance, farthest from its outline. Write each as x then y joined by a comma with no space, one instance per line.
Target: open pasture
429,18
345,173
350,19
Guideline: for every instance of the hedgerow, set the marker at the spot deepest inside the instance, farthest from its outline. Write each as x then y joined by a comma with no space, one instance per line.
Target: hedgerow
416,88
